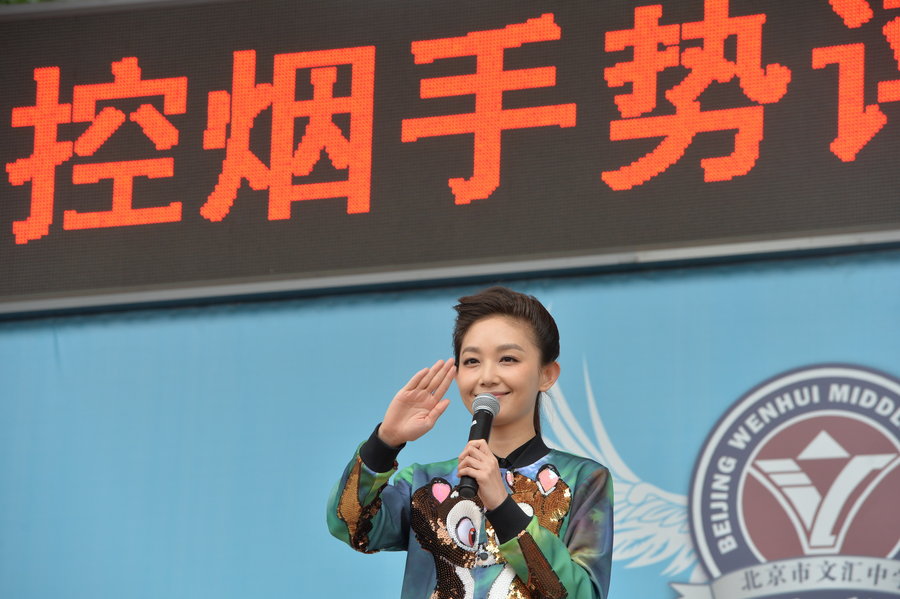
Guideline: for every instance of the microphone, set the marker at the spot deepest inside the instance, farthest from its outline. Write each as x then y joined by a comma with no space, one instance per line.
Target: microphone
484,408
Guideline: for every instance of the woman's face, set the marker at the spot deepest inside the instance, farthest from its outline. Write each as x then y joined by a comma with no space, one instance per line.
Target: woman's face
499,356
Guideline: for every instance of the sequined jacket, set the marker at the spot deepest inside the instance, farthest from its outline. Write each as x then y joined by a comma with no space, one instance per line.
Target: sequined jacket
551,538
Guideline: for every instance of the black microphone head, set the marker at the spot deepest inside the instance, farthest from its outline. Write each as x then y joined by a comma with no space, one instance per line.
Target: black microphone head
486,401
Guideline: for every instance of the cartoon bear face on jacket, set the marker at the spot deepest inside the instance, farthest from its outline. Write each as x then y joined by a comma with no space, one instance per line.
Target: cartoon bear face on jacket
449,527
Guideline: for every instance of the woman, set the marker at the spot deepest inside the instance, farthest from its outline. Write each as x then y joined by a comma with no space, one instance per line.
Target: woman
541,523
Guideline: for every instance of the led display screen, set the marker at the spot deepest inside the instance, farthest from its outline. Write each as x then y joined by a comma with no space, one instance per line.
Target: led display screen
229,147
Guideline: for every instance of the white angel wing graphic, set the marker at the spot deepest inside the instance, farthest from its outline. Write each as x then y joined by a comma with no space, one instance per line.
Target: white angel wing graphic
651,525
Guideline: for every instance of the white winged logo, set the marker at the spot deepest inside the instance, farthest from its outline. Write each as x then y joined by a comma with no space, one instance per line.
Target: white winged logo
651,525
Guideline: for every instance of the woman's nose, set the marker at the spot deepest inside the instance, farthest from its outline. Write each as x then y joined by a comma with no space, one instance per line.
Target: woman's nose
488,375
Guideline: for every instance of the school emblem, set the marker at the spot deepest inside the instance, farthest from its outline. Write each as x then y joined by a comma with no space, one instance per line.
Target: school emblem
795,494
797,490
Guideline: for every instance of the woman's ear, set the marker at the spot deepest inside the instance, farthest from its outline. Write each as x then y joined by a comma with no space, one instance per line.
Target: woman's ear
549,374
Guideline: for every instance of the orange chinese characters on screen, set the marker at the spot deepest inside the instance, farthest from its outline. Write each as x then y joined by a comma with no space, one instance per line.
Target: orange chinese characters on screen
487,84
707,64
857,122
320,110
46,116
231,117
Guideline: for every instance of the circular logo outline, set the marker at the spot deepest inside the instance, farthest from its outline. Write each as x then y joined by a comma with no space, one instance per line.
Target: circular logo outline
739,411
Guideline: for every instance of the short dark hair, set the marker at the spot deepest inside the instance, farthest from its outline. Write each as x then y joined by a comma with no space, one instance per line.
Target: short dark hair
501,301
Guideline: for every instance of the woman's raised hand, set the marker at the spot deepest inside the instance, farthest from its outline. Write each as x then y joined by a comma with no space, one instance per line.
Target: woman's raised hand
418,405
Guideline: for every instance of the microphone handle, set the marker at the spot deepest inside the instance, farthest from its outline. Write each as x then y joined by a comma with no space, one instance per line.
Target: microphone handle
481,429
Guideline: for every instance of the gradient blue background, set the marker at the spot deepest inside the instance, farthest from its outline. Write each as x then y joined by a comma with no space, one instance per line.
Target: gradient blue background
187,453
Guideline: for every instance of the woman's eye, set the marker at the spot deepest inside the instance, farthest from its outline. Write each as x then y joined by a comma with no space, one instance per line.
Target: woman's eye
508,359
469,361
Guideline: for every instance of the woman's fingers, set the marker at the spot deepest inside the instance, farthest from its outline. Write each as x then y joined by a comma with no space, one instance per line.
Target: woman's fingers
477,461
417,406
434,380
433,376
435,413
476,454
478,446
428,376
444,379
416,379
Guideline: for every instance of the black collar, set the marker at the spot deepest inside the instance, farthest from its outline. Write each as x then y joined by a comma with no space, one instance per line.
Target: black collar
527,453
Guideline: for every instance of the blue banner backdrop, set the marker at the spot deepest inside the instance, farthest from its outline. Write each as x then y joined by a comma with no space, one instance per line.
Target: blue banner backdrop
189,452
